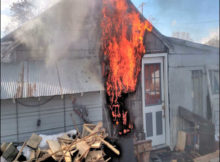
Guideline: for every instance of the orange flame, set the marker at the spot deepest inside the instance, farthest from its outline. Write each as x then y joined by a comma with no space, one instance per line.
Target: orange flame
122,36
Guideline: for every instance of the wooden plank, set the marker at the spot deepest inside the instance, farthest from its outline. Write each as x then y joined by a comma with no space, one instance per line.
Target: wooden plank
10,152
105,142
34,141
3,146
83,148
97,127
51,153
193,118
20,152
181,141
215,160
32,155
94,156
54,146
67,156
96,144
207,157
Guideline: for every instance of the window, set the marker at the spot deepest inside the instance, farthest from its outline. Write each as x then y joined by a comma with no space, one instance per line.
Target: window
197,82
214,79
152,84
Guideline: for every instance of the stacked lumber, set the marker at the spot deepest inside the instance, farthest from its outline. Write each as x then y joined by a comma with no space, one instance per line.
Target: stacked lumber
87,147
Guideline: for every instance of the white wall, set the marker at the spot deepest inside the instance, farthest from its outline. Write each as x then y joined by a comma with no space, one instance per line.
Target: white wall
180,82
54,115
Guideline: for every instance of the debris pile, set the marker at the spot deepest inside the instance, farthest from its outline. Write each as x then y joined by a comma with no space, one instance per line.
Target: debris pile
87,146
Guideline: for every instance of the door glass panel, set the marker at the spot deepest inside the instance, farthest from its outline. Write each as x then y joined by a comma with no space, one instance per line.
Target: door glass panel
159,122
152,83
149,124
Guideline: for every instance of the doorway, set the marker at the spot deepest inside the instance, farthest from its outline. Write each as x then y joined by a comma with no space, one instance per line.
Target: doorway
154,100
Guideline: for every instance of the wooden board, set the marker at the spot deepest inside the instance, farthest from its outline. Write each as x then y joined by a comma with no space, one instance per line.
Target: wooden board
96,144
207,157
94,156
34,141
97,127
85,131
181,141
54,146
67,155
10,152
53,156
83,147
3,146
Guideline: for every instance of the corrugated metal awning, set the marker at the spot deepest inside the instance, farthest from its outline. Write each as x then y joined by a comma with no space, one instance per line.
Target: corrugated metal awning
36,78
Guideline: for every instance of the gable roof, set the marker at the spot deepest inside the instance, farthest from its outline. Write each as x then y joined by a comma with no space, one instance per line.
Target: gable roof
69,23
180,46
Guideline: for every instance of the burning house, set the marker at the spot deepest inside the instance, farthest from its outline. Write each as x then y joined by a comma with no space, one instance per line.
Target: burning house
102,60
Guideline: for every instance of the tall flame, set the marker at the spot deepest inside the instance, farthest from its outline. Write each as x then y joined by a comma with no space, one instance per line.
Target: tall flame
122,36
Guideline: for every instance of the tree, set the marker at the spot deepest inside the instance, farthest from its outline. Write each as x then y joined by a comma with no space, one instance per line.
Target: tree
22,11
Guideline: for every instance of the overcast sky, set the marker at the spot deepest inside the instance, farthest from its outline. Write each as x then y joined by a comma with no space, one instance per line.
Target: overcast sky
200,18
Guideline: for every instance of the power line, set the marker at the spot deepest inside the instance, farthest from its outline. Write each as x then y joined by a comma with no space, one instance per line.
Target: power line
186,23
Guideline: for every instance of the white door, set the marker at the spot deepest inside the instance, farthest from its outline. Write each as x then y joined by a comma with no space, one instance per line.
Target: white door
153,99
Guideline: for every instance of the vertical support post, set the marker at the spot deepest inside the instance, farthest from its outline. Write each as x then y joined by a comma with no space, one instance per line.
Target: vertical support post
106,119
64,112
17,126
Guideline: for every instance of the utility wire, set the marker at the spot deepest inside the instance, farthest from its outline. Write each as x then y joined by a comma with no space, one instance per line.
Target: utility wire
199,22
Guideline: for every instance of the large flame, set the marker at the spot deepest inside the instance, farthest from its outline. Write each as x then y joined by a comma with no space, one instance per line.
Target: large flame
122,36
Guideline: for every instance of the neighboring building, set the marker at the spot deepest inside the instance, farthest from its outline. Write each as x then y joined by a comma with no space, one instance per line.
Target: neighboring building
174,73
182,35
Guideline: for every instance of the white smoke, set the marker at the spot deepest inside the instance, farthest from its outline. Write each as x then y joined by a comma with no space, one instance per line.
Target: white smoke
213,34
67,25
9,24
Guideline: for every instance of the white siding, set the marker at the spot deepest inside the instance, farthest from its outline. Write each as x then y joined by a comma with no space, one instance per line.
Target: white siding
181,87
54,117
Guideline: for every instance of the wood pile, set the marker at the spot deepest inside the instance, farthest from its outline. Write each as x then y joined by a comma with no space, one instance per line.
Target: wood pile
86,147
